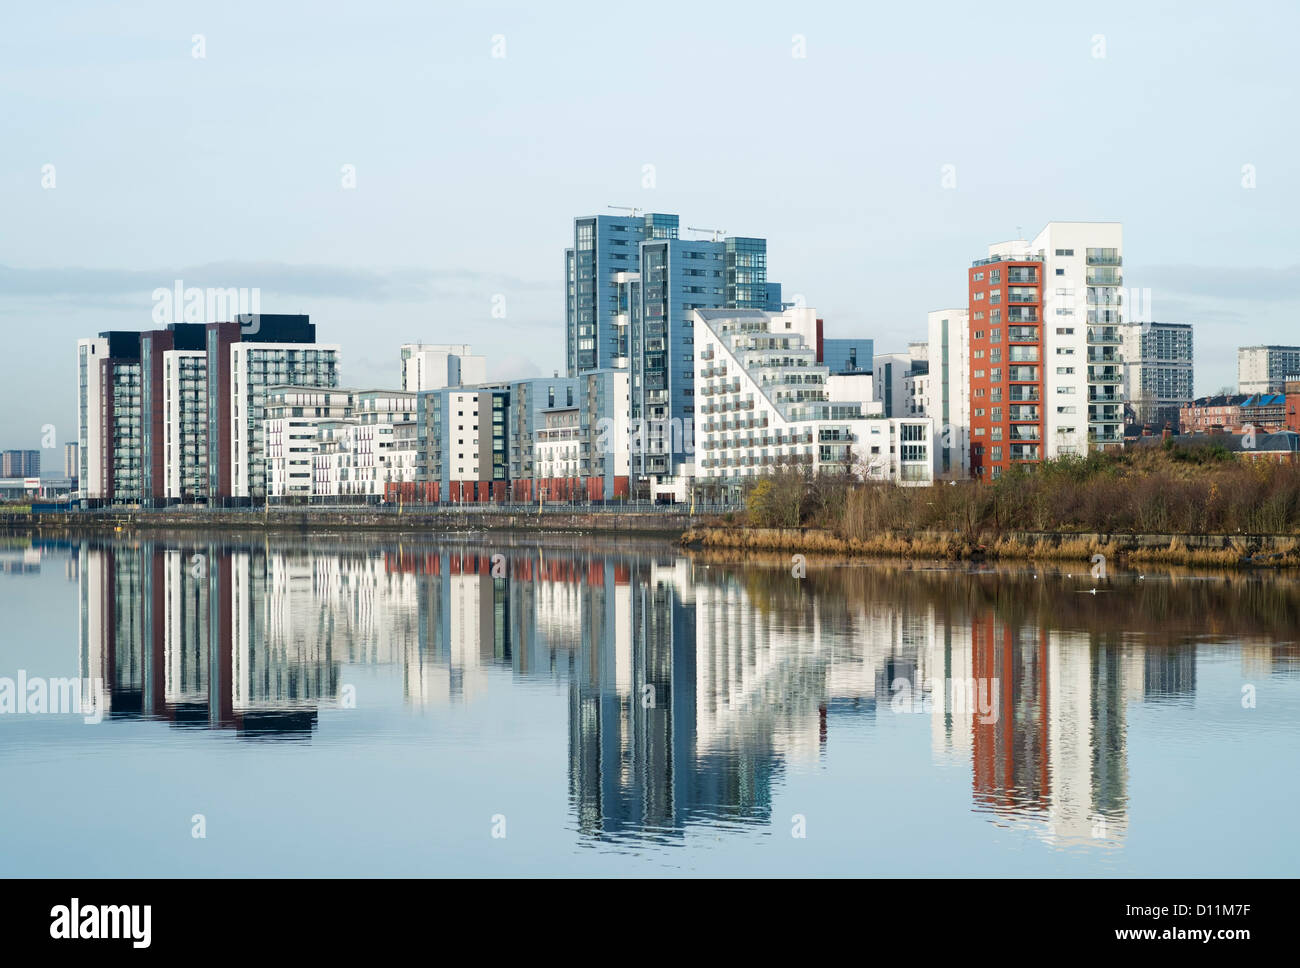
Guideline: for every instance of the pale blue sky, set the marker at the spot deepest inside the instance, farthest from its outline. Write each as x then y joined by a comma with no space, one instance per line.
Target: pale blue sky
225,170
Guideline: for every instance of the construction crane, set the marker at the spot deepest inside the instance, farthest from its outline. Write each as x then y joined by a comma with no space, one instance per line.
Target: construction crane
716,233
627,208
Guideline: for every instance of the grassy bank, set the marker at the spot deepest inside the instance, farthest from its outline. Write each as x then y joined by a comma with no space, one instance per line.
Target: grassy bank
1171,504
1228,551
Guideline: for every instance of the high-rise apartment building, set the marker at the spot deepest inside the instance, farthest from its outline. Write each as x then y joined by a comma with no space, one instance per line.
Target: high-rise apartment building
71,462
170,414
1158,376
245,358
1045,366
176,414
20,463
184,426
632,284
109,424
1265,369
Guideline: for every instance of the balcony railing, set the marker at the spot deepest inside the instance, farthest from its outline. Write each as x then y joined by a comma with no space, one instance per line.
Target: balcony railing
1103,335
1103,277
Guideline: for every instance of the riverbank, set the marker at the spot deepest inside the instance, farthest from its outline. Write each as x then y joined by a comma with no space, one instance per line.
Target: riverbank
667,523
1229,551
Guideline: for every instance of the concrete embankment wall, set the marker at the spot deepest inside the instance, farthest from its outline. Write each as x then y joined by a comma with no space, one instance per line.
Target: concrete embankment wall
306,522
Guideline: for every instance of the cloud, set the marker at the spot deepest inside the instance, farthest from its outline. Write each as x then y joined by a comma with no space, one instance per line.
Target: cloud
401,284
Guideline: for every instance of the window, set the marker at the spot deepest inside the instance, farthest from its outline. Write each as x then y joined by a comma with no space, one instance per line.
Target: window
1060,272
1065,252
1064,370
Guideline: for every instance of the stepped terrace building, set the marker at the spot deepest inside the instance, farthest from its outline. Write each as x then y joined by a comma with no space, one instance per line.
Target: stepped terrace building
765,401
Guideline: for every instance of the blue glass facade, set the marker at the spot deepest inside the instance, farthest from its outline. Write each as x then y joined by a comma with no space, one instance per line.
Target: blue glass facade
848,355
631,287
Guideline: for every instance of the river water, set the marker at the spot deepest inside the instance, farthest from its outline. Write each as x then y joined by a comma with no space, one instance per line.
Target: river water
558,705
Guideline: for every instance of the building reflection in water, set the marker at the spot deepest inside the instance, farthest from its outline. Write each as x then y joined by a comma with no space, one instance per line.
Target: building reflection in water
691,685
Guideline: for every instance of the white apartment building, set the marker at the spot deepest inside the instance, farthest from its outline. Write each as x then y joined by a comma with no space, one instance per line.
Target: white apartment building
185,424
1081,297
254,369
324,443
559,447
762,399
1265,369
949,389
375,447
891,372
433,366
89,403
293,422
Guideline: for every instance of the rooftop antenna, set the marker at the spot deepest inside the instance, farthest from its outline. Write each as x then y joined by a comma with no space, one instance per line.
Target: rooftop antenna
715,232
1020,232
627,208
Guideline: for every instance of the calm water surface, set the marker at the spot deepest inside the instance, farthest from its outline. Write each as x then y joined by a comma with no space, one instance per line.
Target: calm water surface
527,705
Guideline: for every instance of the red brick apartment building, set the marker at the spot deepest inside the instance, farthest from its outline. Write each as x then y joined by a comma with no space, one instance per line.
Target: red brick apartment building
1006,364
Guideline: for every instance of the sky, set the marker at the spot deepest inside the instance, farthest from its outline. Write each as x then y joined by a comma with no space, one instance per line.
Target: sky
477,132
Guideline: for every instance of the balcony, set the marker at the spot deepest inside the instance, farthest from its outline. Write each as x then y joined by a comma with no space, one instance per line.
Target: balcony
1103,336
1022,334
1111,437
1103,257
1105,378
1103,277
1107,355
1022,275
1023,394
